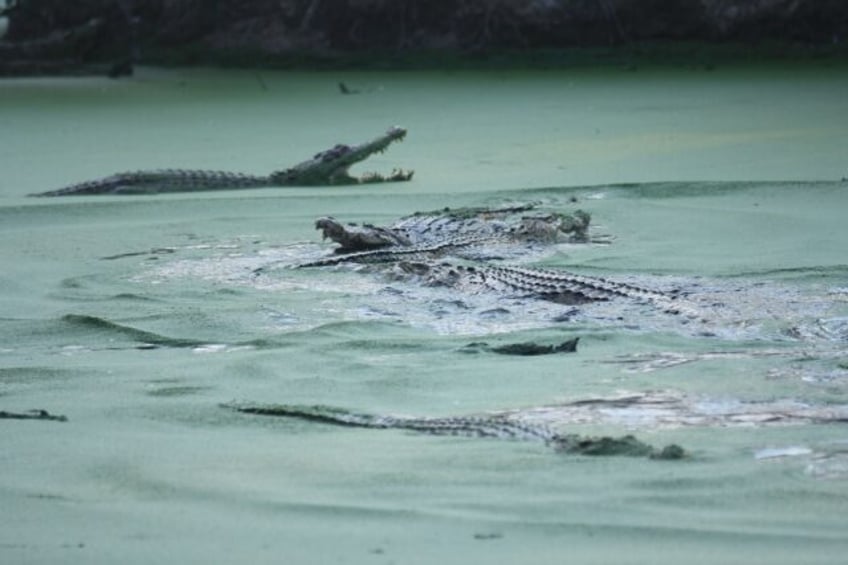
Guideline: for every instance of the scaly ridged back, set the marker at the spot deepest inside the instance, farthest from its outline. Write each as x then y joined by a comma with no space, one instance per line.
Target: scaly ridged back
165,180
482,426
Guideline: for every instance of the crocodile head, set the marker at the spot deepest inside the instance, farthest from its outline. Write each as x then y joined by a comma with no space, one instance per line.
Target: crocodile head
331,166
352,238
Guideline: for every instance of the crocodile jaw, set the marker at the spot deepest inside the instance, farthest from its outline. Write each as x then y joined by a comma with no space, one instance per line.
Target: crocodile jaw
331,166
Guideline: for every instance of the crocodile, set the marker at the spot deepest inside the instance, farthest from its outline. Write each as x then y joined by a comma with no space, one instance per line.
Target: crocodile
492,426
661,409
418,246
328,167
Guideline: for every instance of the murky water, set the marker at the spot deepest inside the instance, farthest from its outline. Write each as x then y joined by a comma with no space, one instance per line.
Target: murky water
138,316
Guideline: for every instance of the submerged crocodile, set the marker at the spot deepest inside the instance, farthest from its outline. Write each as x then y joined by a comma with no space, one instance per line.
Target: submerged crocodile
478,239
494,426
328,167
650,410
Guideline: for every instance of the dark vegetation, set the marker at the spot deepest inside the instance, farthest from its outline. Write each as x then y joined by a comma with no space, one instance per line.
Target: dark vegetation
403,32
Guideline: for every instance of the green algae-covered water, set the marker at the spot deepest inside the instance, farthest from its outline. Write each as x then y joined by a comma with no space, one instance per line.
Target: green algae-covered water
137,317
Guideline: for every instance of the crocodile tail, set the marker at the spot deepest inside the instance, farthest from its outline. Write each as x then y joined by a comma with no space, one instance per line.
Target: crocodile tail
165,180
392,254
99,186
314,413
471,426
560,286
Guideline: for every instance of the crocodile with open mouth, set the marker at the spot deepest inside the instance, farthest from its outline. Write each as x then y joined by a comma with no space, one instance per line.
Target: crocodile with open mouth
325,168
416,247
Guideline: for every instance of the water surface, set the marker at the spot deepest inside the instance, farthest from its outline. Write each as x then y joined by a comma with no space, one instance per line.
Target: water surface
136,317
